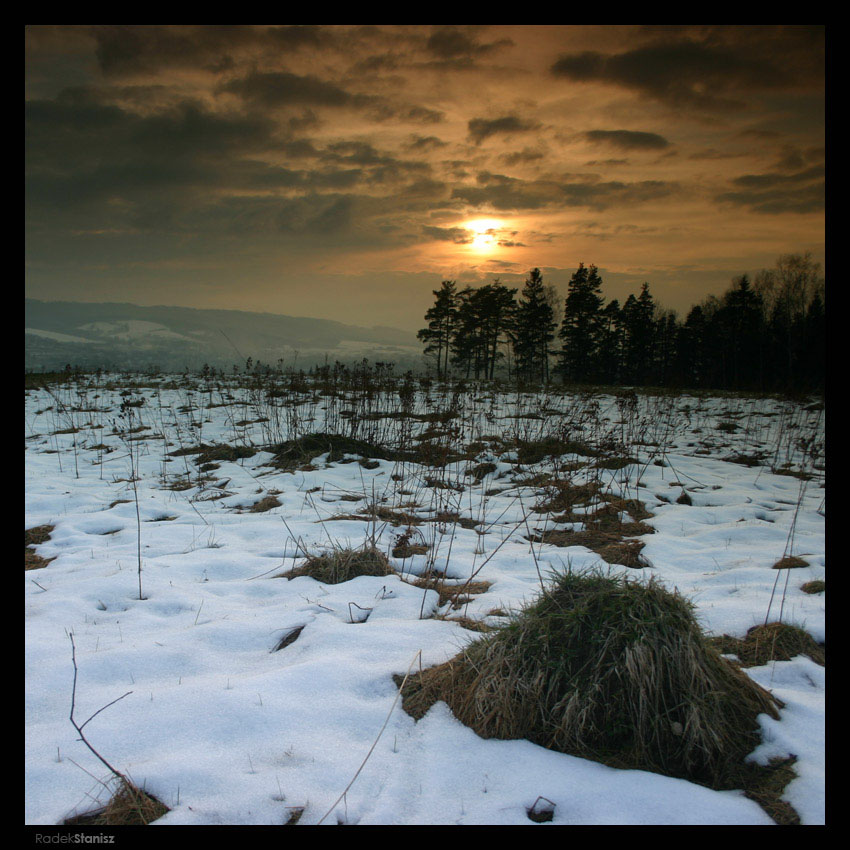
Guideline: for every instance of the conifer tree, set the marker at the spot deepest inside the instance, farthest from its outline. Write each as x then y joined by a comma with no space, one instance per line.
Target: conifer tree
581,327
442,322
741,321
533,330
484,320
639,330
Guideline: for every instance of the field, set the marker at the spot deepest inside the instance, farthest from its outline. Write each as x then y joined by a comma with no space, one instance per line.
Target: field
232,575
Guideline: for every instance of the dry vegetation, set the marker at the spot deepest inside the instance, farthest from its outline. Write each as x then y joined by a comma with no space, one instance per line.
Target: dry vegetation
608,668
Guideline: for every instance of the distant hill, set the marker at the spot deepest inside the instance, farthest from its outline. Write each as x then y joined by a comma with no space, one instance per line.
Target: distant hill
124,336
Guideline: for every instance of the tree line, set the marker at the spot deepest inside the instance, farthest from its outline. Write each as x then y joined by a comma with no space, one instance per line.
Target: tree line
765,334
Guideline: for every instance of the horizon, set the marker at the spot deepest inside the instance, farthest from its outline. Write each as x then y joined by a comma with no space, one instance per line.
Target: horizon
343,172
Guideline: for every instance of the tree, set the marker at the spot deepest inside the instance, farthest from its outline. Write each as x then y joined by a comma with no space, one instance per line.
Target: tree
787,292
611,343
485,318
581,327
741,318
533,330
639,332
442,322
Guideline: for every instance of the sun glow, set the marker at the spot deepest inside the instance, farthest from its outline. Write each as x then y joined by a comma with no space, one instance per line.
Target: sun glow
484,234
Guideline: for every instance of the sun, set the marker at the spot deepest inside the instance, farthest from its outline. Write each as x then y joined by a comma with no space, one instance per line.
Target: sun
484,234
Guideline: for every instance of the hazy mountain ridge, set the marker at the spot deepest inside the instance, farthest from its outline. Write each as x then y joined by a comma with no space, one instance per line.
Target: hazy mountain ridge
128,335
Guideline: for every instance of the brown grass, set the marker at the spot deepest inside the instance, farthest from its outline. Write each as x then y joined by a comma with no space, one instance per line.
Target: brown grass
766,783
340,565
790,562
34,537
128,806
456,594
265,504
606,668
771,642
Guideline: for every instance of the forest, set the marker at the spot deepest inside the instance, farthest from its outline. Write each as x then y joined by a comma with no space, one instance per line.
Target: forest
765,333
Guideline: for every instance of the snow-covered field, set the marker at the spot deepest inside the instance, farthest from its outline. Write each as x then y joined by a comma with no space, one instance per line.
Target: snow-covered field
223,729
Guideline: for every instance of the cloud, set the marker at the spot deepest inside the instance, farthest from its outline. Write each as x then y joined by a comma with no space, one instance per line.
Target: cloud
521,157
483,128
708,68
281,88
457,235
424,143
509,193
128,50
773,193
452,43
628,140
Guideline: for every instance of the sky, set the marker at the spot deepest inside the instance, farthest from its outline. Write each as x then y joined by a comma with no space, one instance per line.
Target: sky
343,172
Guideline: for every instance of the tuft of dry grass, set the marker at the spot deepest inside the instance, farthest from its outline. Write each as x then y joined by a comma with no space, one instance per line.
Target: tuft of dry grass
766,783
771,642
790,562
816,586
33,537
608,668
339,565
265,504
457,594
128,806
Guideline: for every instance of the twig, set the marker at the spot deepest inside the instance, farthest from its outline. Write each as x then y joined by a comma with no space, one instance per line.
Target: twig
375,743
79,728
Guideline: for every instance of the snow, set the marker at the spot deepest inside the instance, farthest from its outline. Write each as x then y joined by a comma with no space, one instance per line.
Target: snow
59,337
226,730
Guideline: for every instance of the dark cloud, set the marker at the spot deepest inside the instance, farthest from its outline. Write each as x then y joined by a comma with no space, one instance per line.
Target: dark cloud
483,128
713,153
508,193
385,110
125,50
457,235
628,140
774,193
707,67
275,89
453,43
424,143
521,157
281,88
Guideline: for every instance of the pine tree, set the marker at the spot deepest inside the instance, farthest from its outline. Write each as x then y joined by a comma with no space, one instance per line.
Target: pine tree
581,327
533,330
691,349
742,327
442,322
611,343
484,320
639,329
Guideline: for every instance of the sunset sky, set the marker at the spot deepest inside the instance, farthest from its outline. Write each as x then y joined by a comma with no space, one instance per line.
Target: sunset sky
343,172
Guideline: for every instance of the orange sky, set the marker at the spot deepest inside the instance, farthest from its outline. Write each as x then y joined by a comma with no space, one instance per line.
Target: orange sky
343,172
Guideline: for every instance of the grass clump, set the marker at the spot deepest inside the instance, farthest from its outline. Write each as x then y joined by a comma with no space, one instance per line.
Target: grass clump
293,454
128,806
265,504
339,565
771,642
534,451
608,668
32,538
817,586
